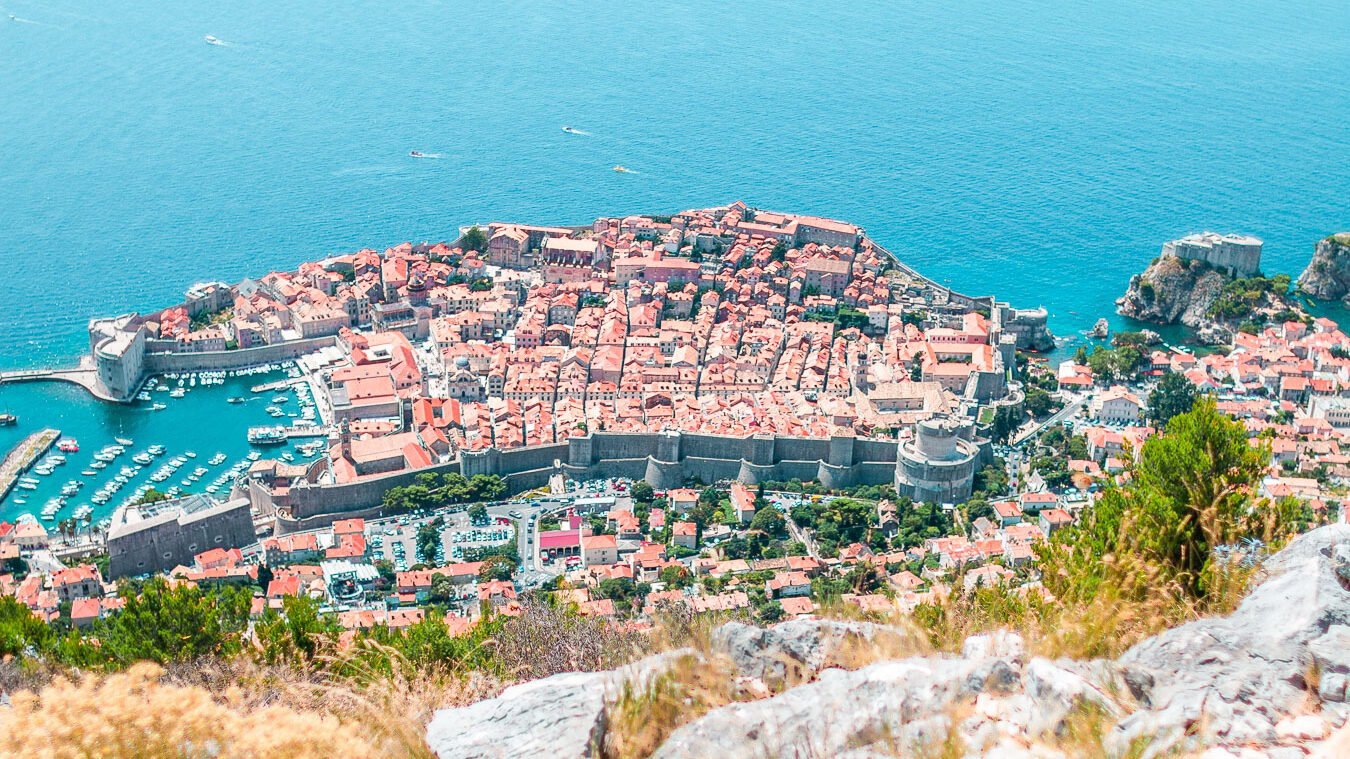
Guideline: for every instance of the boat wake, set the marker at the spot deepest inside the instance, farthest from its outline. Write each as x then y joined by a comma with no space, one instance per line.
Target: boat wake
420,154
368,170
21,20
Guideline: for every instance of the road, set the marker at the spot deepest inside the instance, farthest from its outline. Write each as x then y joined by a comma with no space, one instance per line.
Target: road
1069,410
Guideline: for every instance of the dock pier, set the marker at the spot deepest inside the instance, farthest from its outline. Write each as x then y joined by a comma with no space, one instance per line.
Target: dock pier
29,450
307,430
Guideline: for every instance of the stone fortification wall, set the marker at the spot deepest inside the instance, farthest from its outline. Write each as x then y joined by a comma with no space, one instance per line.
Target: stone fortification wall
666,460
286,525
159,359
308,500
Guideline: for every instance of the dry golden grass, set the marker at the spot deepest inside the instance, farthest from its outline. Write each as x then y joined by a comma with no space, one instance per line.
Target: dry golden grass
234,709
640,720
133,713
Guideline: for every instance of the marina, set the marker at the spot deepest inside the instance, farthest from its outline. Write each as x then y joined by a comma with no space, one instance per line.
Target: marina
196,442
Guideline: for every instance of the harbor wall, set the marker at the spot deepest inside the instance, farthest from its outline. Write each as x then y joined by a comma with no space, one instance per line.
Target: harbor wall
160,362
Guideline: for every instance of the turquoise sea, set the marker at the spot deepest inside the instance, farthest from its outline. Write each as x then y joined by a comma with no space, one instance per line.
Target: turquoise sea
1039,150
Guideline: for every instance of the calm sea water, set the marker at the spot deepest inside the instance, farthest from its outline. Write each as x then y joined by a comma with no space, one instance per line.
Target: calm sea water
1040,150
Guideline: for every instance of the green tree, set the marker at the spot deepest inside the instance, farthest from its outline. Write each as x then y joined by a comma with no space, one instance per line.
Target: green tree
1191,491
297,633
474,239
152,496
163,623
428,540
674,576
478,513
1038,403
1173,395
486,487
442,588
617,589
20,631
770,611
643,492
496,568
769,521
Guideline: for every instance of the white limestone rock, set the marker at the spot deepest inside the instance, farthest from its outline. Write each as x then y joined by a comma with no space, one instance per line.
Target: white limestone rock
562,716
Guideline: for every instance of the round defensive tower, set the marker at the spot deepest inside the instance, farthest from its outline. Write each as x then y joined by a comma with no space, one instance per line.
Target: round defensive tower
938,463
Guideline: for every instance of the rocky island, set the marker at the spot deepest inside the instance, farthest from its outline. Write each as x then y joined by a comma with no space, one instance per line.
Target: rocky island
1212,283
1328,274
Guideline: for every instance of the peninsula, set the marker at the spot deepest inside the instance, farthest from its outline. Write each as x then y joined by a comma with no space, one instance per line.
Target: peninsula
717,343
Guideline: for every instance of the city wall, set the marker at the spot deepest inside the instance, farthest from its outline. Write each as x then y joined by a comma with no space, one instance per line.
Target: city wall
158,359
666,460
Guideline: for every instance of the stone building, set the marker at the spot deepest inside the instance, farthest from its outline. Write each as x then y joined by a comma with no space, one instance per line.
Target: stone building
157,537
1239,254
939,462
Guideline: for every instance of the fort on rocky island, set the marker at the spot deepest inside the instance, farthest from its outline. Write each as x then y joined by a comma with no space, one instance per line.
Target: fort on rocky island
1239,255
713,344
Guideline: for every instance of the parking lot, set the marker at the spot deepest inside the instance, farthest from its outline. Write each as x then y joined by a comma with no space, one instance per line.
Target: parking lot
396,539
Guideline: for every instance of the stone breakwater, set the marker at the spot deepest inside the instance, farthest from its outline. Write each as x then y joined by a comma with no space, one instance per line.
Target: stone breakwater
1270,680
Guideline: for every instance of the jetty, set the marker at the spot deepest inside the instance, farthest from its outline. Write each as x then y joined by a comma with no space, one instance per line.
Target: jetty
283,384
23,455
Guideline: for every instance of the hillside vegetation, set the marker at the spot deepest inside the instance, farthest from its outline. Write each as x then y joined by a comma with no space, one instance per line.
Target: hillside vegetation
183,672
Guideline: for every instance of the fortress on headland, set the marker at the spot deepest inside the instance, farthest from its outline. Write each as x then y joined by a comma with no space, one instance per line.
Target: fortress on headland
1240,255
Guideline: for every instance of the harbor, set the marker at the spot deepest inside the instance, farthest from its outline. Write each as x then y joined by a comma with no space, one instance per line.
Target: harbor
182,433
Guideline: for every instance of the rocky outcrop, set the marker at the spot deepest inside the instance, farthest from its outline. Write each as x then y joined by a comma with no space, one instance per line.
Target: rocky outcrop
560,716
1272,678
1173,291
1328,274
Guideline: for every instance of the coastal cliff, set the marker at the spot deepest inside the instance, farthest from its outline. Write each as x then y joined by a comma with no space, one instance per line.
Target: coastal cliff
1328,274
1269,679
1212,300
1173,291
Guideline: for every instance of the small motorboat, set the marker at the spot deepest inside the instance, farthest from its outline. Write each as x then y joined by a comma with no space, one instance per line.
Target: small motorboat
214,40
623,170
571,130
420,154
